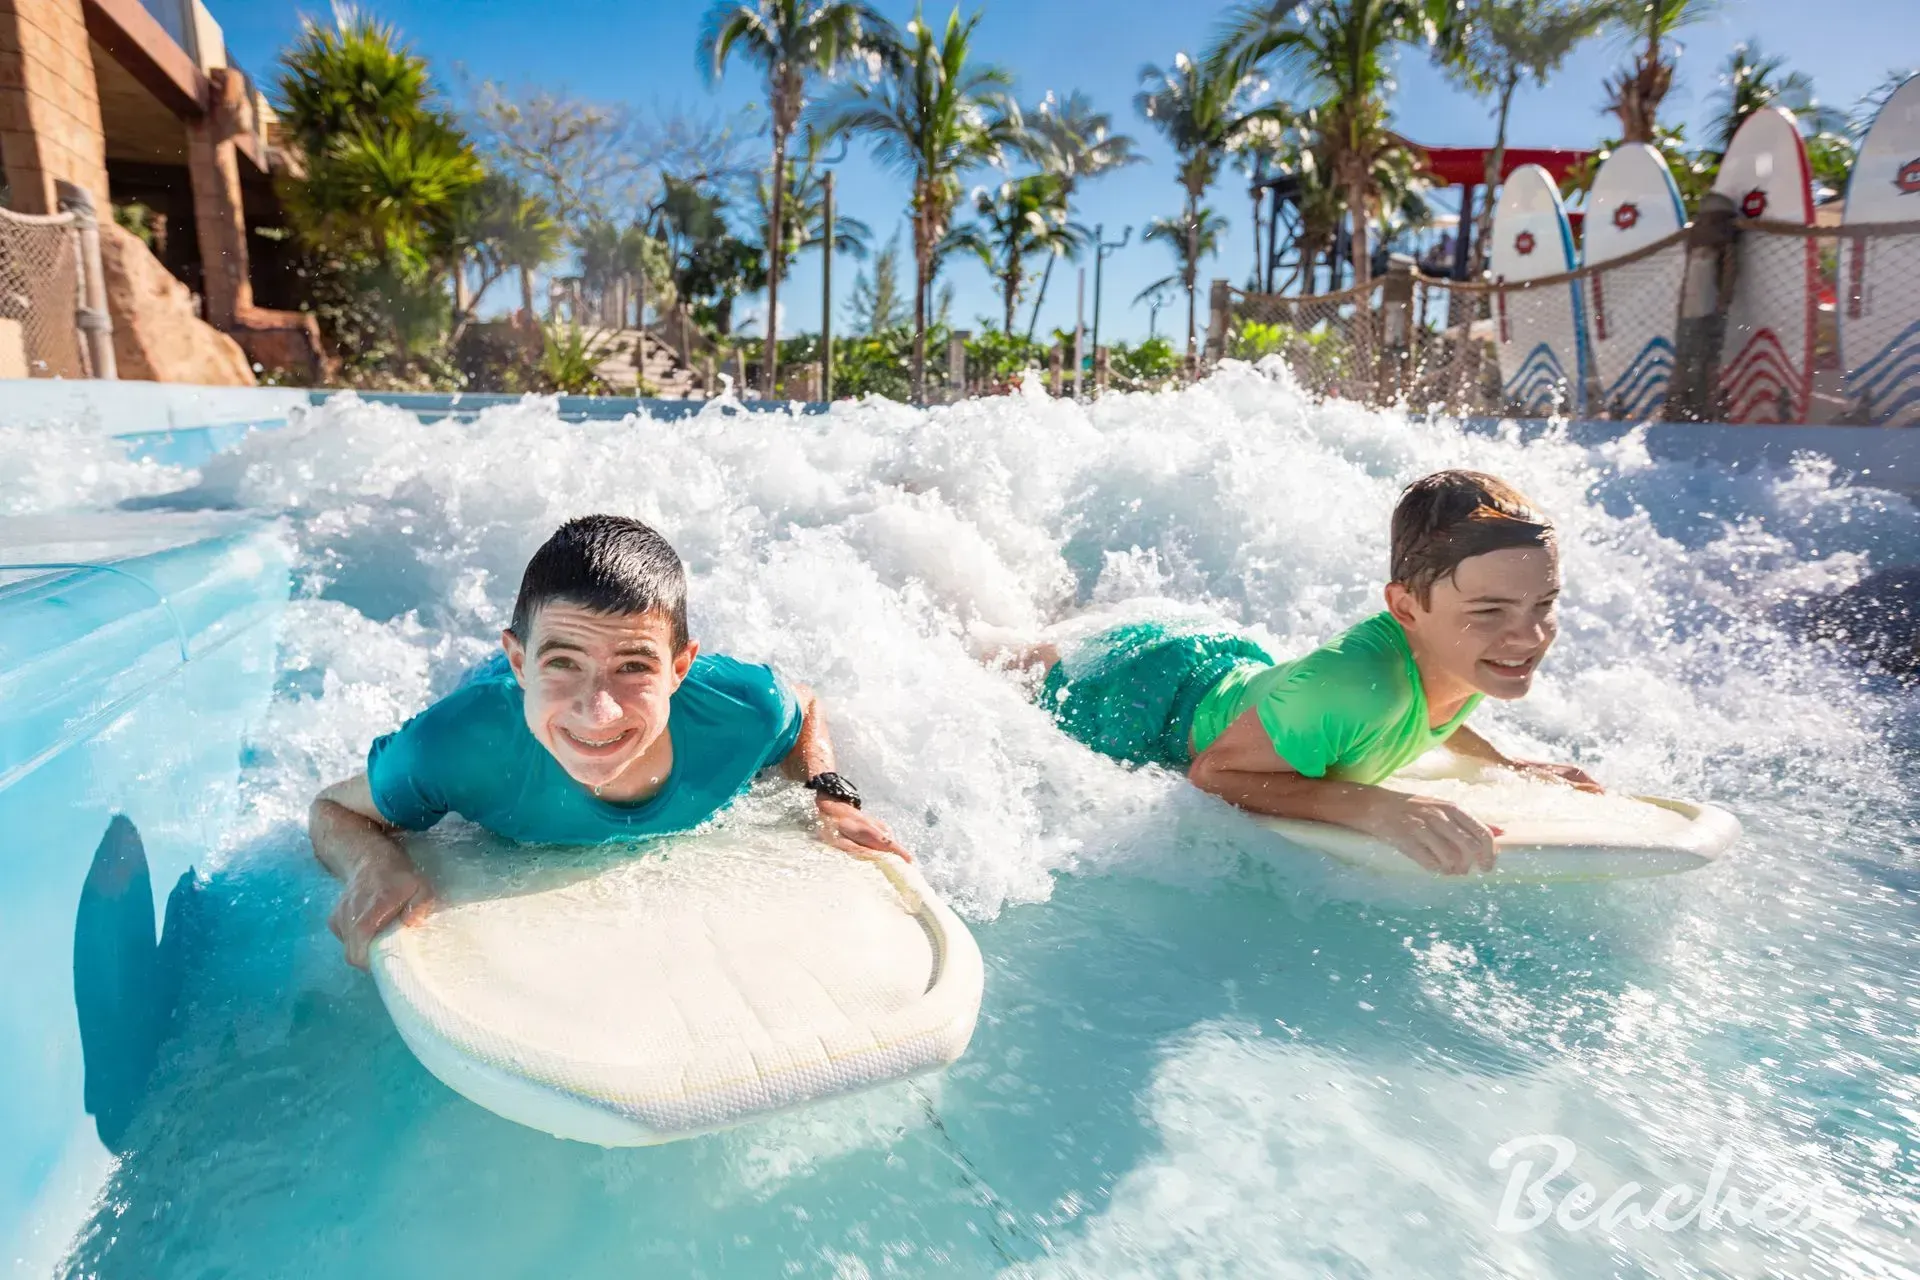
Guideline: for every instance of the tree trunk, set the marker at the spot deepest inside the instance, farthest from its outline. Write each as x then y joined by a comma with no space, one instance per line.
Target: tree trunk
922,264
1496,161
462,288
1357,210
776,242
1642,90
526,293
1253,285
1034,322
1010,288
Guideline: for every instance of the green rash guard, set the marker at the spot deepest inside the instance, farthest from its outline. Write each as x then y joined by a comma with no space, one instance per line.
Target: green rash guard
1353,709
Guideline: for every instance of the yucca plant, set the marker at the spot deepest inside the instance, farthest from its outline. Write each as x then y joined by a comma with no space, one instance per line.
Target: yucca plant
570,359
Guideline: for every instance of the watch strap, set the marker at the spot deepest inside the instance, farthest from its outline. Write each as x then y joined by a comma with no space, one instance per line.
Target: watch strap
834,787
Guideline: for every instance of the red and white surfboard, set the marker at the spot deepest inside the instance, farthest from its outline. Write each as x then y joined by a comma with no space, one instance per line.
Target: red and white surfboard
1766,360
1879,290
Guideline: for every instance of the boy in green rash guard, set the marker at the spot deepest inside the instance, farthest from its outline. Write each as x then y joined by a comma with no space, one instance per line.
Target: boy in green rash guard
1470,614
600,720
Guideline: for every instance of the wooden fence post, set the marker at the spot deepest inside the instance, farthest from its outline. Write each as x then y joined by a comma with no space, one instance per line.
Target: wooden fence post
1705,294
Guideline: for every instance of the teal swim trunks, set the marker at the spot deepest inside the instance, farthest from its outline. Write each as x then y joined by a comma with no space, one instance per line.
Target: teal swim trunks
1131,692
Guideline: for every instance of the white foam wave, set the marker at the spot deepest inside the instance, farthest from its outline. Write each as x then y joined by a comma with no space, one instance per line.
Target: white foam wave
853,549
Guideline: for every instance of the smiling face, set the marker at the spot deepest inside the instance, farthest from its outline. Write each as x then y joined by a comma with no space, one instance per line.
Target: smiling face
1486,627
598,690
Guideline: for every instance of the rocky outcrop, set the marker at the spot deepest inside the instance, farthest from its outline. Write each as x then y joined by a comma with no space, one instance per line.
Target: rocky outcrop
156,335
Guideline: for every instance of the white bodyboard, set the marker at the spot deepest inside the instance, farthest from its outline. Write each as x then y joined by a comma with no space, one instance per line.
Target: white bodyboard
633,997
1548,831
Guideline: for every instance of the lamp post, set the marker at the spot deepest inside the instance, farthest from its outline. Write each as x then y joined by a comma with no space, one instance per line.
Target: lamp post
826,276
826,295
1101,248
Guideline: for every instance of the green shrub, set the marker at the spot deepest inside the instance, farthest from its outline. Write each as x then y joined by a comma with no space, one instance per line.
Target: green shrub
1317,356
995,358
1152,365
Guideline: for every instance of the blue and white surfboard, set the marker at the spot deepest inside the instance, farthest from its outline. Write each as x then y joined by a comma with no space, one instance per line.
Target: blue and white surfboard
1879,294
1633,311
1540,333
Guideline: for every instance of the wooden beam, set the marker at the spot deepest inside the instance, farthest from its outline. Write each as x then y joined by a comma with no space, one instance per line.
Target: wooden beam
142,46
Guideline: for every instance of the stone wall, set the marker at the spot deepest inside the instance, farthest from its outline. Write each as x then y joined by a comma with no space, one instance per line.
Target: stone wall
49,108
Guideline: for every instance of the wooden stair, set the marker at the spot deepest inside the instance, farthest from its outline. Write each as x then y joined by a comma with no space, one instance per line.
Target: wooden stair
667,374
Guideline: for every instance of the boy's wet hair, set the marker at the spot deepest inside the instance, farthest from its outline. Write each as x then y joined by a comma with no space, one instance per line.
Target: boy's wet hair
604,564
1451,516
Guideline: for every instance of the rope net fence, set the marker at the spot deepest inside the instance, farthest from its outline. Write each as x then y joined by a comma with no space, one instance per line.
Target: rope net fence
1777,322
41,291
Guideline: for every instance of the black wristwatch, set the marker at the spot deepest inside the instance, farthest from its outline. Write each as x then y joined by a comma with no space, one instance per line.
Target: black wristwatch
834,787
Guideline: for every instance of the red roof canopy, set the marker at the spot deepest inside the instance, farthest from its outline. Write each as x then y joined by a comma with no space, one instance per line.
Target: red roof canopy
1464,166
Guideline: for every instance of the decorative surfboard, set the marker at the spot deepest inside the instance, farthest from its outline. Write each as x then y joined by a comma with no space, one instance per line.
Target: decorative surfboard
1766,359
1633,310
1539,332
1880,277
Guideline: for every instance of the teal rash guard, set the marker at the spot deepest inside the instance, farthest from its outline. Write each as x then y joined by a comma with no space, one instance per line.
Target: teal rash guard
471,753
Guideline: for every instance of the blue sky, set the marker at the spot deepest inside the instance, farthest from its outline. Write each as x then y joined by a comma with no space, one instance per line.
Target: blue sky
642,53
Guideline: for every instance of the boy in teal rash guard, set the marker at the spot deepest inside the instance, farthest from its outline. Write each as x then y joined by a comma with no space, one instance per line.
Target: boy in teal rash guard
601,720
1470,614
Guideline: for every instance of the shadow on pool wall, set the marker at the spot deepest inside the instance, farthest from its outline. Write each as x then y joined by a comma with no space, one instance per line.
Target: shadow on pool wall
118,770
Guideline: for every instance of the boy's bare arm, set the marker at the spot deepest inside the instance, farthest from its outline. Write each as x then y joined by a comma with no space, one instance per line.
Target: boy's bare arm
1465,742
1242,768
358,846
845,826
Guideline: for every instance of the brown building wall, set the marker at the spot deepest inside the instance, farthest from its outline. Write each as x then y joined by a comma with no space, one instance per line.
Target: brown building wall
49,109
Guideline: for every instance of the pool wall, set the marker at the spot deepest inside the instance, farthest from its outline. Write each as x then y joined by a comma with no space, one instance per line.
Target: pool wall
126,693
127,690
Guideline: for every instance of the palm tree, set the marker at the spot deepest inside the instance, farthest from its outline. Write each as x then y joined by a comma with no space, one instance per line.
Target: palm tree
1635,92
792,41
1341,48
1506,42
1321,202
1194,235
1022,218
1200,110
1072,142
933,116
504,229
1257,152
805,214
1751,80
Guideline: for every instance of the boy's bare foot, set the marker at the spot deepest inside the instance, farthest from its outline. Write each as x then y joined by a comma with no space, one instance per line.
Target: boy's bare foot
1005,649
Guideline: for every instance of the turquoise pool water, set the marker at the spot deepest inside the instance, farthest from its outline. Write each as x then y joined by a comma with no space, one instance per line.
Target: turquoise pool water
1200,1055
